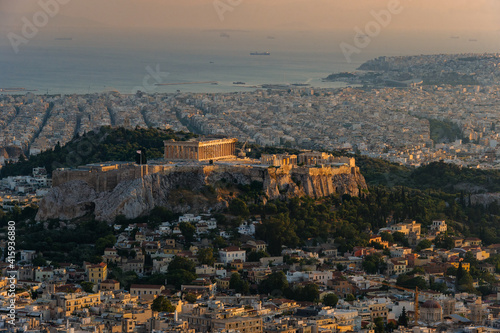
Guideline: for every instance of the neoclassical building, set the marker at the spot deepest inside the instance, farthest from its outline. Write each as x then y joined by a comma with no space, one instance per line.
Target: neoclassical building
200,150
431,312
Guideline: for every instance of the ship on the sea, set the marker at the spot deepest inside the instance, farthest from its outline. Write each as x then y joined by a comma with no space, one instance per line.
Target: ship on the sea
260,53
12,89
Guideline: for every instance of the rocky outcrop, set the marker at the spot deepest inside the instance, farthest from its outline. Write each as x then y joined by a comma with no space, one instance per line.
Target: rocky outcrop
184,189
68,201
11,152
484,199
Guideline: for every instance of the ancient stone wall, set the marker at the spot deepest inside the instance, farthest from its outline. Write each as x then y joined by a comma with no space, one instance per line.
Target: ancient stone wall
179,188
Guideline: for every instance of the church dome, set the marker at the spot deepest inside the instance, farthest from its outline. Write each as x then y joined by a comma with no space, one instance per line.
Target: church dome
431,305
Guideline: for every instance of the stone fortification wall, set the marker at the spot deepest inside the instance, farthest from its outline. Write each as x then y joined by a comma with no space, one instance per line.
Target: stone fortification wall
179,188
104,178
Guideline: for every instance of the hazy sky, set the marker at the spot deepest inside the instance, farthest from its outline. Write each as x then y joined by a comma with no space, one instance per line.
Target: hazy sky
442,15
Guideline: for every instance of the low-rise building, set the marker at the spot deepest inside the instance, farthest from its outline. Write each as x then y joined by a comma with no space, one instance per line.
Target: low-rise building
146,291
97,273
232,253
396,266
439,226
71,302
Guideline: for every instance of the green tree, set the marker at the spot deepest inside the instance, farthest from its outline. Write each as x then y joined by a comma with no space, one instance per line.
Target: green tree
179,277
307,293
463,280
379,325
180,271
403,318
104,242
88,287
181,263
452,271
275,283
330,300
350,298
386,236
239,208
278,230
206,256
400,238
191,298
238,284
411,282
256,255
162,213
125,278
188,230
460,273
162,304
444,242
425,244
39,261
373,264
219,242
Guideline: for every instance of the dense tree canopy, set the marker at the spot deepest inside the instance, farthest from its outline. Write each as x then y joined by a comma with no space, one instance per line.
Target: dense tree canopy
238,284
206,256
330,300
275,283
162,304
180,271
105,144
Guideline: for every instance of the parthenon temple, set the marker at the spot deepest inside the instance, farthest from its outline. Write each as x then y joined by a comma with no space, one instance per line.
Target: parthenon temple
200,150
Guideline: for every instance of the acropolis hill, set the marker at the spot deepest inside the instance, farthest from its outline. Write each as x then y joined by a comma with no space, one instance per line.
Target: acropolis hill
122,188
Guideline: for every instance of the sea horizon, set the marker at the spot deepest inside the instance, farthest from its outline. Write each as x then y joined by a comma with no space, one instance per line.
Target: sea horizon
69,62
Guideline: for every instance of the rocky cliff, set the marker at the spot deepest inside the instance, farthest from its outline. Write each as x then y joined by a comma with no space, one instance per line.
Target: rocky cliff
184,189
11,152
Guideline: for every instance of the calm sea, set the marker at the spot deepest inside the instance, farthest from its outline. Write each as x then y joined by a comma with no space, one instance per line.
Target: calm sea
76,62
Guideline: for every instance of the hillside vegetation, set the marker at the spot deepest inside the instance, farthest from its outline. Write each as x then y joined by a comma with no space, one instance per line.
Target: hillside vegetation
434,191
106,144
119,144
